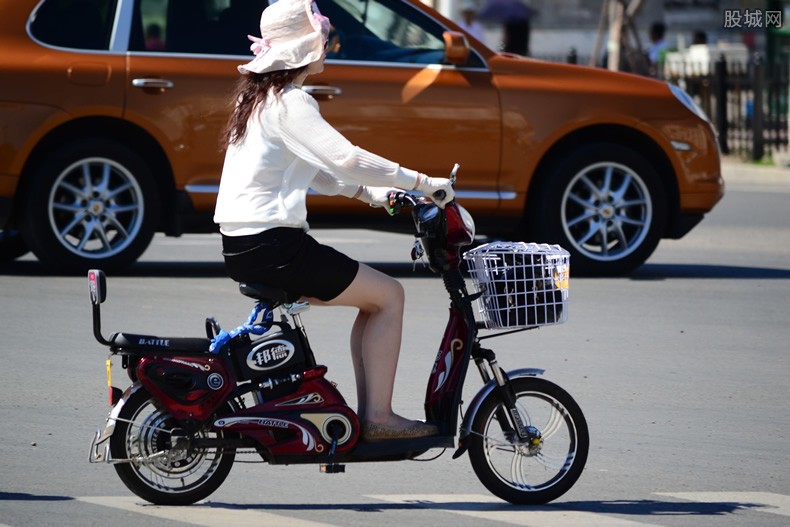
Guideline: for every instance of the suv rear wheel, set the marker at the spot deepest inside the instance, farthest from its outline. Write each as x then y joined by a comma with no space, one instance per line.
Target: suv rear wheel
606,205
92,203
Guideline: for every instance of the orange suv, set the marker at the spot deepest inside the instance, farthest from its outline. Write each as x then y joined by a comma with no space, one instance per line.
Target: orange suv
111,111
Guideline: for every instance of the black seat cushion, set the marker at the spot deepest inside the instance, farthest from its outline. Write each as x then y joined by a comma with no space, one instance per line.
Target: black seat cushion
160,345
266,292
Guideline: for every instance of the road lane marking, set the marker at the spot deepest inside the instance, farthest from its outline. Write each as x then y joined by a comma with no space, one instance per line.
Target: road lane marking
481,506
200,514
762,501
491,508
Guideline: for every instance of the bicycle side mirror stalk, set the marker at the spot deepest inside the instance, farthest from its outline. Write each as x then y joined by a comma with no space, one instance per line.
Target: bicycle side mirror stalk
97,283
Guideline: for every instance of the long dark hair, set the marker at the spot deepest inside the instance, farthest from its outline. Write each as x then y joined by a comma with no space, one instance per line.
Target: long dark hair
252,90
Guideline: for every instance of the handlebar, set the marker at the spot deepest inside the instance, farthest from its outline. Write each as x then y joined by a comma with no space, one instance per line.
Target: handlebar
454,173
398,199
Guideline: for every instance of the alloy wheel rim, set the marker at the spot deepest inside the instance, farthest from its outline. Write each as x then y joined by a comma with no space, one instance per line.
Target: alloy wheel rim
96,208
606,211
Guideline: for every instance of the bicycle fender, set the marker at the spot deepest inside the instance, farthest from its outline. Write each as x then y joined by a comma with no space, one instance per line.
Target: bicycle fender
97,455
478,399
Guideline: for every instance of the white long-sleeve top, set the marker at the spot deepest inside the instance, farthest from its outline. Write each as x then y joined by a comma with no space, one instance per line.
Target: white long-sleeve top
289,148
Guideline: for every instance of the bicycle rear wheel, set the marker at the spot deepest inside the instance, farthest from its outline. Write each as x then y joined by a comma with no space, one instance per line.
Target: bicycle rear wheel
157,473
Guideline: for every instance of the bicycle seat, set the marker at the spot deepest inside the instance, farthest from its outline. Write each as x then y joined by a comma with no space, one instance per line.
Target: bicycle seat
260,291
157,345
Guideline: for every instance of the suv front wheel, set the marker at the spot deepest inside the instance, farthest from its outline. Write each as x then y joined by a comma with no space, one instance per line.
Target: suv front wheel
92,203
606,205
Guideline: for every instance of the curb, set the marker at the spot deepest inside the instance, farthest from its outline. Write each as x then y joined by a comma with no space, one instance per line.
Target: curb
735,171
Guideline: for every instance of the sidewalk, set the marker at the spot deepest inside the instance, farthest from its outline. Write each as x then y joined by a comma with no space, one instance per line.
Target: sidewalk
737,171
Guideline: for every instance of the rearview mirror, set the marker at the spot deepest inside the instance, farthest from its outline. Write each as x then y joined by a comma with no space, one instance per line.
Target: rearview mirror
98,286
456,48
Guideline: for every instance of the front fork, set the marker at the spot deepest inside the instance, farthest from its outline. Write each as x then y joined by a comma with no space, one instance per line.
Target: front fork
496,380
507,414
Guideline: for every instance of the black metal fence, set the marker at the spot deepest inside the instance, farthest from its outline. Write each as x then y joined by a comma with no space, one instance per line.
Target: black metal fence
747,102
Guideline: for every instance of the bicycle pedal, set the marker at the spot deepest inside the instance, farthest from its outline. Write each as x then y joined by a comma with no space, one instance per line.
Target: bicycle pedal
332,468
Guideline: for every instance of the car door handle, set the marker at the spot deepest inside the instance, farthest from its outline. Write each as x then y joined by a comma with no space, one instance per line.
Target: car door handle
324,92
152,84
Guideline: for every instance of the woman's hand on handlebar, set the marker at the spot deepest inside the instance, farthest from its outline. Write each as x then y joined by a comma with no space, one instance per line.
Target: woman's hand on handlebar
439,190
378,196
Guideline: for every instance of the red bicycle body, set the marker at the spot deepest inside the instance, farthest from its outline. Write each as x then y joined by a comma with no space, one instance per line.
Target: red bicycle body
195,403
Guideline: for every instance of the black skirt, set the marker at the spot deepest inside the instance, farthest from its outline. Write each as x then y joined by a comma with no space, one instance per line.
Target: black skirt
290,259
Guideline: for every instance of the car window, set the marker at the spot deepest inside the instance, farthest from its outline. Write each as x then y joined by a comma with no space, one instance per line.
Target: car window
383,31
80,24
362,30
195,26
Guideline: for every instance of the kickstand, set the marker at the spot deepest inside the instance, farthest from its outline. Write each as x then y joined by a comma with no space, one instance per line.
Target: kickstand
330,467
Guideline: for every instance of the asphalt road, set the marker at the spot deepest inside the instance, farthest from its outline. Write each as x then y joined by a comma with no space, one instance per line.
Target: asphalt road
681,370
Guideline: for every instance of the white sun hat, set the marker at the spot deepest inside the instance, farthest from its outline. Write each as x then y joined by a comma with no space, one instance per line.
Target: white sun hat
293,34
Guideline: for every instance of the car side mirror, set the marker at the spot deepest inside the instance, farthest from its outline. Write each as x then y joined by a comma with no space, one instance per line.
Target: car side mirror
456,48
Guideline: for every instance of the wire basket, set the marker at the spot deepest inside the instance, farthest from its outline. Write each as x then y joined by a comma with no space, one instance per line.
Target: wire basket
522,284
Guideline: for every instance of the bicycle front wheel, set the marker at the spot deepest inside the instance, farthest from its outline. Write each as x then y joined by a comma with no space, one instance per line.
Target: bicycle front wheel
542,468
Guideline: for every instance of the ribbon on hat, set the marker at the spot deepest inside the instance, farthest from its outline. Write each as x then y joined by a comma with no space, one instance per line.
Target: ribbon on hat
321,22
259,46
324,24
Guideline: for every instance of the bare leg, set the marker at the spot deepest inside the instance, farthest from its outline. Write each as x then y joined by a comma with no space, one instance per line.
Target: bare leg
375,341
359,364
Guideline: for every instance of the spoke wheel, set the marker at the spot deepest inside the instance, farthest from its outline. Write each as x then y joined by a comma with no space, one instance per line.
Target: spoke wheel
96,206
157,472
541,468
606,211
606,205
91,204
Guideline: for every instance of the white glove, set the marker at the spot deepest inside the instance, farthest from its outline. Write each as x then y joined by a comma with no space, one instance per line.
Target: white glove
431,185
377,196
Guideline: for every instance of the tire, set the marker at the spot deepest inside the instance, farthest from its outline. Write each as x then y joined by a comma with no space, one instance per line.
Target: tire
606,205
142,430
91,203
526,473
12,246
